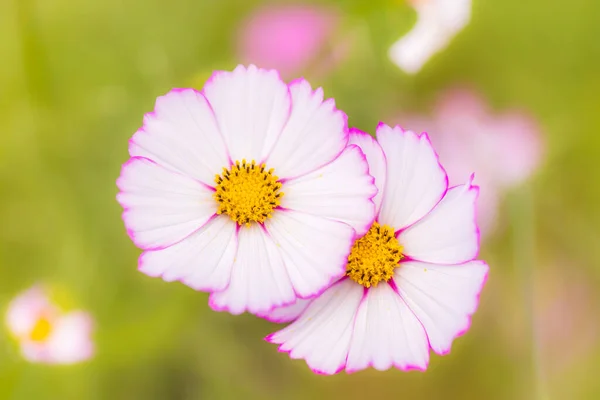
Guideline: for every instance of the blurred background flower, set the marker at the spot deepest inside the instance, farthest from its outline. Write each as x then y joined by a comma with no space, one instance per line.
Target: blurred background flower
503,149
76,78
287,37
47,334
437,23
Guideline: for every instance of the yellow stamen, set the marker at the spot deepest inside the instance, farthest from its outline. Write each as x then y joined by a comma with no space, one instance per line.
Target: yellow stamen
41,330
247,192
374,256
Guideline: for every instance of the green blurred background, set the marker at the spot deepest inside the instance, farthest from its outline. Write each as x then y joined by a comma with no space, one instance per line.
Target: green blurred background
76,77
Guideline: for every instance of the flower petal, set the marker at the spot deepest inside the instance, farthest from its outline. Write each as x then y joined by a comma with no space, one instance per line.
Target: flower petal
202,261
259,281
387,333
443,297
341,190
375,158
437,23
251,106
315,134
25,310
71,340
182,135
415,179
321,335
161,207
315,250
447,235
287,313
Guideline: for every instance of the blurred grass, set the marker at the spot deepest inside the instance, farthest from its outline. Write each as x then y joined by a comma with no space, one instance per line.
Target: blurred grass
75,80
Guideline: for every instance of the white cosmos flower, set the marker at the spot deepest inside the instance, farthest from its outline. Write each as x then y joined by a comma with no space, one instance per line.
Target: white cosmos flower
45,333
247,189
412,281
438,21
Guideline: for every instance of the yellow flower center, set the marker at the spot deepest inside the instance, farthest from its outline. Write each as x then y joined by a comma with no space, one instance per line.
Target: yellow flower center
41,330
374,256
247,192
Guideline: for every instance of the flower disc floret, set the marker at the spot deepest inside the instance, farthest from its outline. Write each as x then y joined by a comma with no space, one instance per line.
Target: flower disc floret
41,330
374,256
247,192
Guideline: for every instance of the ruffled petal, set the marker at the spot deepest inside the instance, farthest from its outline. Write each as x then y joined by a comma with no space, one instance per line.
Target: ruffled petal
315,250
161,207
415,179
447,235
202,261
341,190
322,334
315,134
251,106
182,135
387,333
287,313
443,297
259,281
376,159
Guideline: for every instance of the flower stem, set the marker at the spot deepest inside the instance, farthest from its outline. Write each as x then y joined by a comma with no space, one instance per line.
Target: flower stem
523,225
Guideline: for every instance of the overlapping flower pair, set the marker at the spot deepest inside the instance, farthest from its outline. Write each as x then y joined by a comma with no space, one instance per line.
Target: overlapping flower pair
258,192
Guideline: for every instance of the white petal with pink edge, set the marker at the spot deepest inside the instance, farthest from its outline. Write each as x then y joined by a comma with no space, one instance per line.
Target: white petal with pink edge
251,106
314,249
202,261
387,333
161,207
322,334
259,280
341,190
314,135
415,179
443,297
287,313
376,159
447,235
182,135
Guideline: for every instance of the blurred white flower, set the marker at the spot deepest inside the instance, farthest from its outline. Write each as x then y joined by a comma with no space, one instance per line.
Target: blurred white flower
45,333
438,21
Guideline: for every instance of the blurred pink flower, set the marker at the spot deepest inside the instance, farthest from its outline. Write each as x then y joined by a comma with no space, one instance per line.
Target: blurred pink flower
503,150
438,21
46,334
566,312
286,38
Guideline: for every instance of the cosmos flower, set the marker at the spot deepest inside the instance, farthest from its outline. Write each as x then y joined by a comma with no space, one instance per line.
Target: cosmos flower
503,150
247,189
438,21
412,281
285,37
45,333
